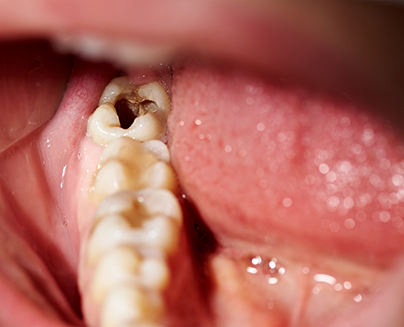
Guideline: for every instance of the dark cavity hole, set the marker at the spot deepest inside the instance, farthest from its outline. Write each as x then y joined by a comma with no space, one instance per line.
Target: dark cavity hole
127,112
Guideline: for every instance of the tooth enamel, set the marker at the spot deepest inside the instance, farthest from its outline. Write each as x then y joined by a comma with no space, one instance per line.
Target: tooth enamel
155,213
159,149
129,305
104,125
127,164
146,202
160,233
154,273
123,265
116,267
108,233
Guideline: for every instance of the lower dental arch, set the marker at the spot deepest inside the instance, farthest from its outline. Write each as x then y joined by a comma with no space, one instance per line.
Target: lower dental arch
139,218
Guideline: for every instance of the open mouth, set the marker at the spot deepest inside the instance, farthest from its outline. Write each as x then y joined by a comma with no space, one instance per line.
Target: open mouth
182,185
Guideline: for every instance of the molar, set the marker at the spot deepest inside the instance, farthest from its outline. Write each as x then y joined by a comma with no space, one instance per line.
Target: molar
124,265
127,164
149,104
146,202
145,219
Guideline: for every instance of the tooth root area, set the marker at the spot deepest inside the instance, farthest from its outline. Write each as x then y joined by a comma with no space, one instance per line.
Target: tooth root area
150,105
127,164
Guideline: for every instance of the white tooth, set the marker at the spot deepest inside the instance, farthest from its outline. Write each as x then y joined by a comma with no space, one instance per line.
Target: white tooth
121,51
116,267
161,233
154,273
107,233
160,176
146,202
127,164
130,306
158,233
123,265
113,177
158,148
104,126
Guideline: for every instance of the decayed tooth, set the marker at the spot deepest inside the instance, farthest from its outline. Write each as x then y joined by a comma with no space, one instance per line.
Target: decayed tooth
144,203
131,306
150,105
127,164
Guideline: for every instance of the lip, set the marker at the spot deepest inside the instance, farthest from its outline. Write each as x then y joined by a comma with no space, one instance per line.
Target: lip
268,37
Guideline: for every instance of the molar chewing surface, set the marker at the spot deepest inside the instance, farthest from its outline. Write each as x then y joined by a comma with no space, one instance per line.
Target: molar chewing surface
138,219
152,106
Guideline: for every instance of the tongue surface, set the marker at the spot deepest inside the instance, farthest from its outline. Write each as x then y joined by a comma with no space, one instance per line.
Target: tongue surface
268,162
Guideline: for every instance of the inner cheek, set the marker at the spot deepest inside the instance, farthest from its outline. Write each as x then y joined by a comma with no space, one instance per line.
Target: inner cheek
34,78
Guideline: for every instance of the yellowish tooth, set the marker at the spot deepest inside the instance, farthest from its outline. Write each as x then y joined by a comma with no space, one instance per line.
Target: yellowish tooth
160,176
116,267
104,126
160,234
154,273
119,88
127,164
124,265
112,178
151,117
129,305
159,149
107,233
144,203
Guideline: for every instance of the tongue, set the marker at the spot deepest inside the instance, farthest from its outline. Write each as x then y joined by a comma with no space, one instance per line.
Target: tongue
268,162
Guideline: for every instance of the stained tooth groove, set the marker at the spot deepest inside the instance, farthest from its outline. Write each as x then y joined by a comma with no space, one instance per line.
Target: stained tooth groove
149,102
127,164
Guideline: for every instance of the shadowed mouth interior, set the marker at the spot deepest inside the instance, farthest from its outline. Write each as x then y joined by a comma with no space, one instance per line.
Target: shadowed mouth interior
293,195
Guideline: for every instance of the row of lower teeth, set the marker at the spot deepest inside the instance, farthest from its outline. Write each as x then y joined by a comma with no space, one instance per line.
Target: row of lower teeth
139,218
